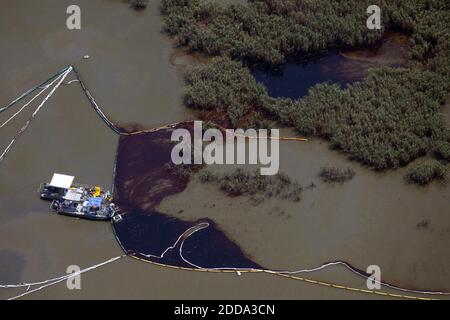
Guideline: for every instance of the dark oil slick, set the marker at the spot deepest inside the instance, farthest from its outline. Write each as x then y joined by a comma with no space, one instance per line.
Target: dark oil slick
142,182
295,78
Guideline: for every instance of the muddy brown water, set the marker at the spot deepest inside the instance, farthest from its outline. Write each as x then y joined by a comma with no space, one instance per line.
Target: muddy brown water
371,220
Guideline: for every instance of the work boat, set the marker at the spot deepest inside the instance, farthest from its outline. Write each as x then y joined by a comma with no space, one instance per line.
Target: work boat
76,200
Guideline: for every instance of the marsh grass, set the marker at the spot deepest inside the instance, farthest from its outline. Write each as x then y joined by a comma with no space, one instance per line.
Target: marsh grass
427,172
384,122
244,183
138,4
333,174
183,172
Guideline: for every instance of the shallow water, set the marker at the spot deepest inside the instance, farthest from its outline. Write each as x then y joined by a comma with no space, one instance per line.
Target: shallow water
371,220
69,138
142,181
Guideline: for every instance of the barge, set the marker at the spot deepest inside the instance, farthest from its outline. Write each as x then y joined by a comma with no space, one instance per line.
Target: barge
76,200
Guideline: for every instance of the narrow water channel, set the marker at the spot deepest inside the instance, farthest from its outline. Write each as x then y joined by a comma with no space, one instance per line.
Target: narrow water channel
295,78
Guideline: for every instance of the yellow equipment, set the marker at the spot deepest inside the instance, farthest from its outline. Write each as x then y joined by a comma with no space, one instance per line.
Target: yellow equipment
97,192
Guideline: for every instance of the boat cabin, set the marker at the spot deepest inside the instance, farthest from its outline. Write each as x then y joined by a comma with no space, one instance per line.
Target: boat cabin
81,201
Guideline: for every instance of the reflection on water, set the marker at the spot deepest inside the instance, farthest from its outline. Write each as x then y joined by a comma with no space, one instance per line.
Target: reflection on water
294,79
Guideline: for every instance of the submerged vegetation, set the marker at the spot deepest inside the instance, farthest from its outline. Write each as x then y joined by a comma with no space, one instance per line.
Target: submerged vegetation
241,183
332,174
138,4
386,121
426,172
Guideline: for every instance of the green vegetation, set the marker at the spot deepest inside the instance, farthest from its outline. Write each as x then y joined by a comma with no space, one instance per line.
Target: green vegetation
426,172
268,30
272,30
224,85
423,225
332,174
241,182
386,121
